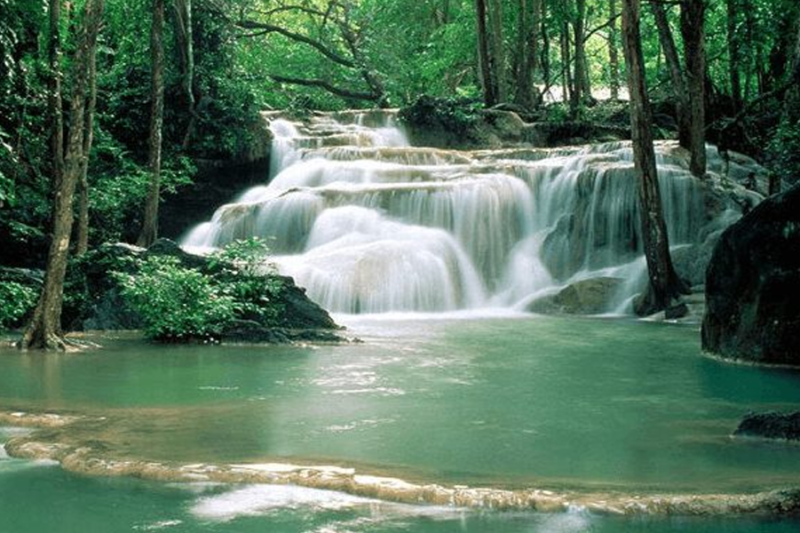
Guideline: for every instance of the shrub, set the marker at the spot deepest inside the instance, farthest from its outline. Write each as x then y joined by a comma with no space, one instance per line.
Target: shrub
177,303
16,301
251,279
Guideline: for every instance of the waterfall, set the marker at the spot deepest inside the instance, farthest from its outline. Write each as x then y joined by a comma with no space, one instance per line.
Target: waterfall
369,224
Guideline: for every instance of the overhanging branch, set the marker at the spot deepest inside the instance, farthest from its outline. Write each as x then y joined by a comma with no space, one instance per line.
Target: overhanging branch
322,84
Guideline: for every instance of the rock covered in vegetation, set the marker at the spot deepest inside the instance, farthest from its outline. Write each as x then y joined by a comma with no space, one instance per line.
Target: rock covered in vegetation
101,305
586,297
752,282
464,124
770,425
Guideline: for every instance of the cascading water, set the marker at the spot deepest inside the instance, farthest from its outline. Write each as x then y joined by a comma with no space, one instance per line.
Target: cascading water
369,224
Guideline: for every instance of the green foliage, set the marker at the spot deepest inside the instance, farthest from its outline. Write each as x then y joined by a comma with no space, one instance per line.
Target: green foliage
7,160
119,187
251,279
177,303
16,301
783,152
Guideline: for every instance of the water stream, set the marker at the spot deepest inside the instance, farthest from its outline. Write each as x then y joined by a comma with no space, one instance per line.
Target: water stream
370,224
456,398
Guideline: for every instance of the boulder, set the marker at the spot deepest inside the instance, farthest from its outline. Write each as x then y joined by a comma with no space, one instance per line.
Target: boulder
752,283
100,305
770,425
586,297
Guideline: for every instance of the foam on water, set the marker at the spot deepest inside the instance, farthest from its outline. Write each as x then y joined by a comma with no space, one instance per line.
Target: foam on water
369,224
259,500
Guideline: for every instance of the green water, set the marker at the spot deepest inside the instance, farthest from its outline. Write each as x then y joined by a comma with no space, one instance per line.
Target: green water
40,497
511,402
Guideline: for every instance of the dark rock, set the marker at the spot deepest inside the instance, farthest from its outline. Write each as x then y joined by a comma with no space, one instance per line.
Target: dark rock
300,312
770,425
246,331
216,182
102,307
676,310
546,134
752,311
585,297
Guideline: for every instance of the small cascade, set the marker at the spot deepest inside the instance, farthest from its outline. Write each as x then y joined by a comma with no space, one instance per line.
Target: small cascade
369,224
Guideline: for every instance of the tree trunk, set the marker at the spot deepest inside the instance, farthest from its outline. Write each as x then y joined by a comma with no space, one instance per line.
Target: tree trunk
88,137
692,29
566,62
734,58
150,227
487,83
675,72
54,102
498,57
522,95
184,37
664,283
528,51
582,83
44,330
613,56
545,58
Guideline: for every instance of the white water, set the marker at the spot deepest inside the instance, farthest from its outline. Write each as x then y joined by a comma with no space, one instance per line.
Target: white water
369,224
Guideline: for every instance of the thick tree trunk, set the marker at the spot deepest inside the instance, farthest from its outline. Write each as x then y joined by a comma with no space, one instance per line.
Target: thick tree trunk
613,55
675,72
528,51
484,64
664,283
44,330
498,59
150,226
54,102
522,94
82,243
693,32
734,57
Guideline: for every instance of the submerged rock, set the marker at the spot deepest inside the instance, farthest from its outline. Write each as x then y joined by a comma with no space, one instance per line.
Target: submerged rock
771,425
585,297
752,311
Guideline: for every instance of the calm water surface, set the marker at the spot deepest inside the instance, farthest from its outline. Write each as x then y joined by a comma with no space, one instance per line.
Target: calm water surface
546,402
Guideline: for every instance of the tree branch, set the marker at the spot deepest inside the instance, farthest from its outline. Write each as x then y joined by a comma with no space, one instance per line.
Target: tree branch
271,28
322,84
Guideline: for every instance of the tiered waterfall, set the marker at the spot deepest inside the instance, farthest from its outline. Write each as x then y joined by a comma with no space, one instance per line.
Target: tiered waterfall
369,224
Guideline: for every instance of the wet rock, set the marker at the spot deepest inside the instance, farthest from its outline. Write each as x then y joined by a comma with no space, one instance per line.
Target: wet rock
771,425
676,310
247,331
217,181
751,310
586,297
573,132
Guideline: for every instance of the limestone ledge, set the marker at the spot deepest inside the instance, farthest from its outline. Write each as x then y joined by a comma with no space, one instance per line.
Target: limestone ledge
89,459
